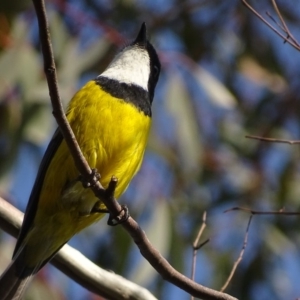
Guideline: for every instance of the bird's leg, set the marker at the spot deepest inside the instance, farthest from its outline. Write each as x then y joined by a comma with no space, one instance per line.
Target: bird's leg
112,220
98,208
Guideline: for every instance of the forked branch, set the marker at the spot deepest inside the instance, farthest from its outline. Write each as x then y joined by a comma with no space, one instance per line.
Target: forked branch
283,30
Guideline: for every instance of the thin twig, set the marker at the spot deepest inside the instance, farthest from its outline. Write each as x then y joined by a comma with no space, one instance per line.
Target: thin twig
280,212
139,237
239,258
197,246
272,140
280,26
285,27
259,212
291,42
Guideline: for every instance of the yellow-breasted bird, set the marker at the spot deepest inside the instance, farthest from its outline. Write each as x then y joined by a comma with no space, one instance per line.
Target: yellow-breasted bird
110,117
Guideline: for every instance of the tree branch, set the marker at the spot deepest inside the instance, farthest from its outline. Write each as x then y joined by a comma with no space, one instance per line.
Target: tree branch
235,265
287,36
272,140
77,266
139,237
197,245
280,212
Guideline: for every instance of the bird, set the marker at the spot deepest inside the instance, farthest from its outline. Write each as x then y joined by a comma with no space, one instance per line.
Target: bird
110,117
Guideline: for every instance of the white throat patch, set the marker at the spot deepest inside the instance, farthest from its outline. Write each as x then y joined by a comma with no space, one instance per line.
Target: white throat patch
131,66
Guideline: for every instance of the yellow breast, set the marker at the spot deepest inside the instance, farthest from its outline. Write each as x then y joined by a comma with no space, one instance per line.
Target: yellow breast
112,135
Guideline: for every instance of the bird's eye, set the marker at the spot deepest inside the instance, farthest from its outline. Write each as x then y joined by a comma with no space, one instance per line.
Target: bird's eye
155,71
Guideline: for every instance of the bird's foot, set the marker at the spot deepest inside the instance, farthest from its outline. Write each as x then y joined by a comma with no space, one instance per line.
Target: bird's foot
122,216
91,180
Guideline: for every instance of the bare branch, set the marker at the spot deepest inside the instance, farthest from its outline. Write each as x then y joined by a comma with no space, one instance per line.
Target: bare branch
272,140
239,258
197,246
203,225
78,267
258,212
284,26
161,265
287,38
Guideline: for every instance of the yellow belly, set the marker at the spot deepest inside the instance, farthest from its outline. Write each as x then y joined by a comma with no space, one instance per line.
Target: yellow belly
112,135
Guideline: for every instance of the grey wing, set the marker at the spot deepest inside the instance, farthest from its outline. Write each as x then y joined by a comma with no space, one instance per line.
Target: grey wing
35,193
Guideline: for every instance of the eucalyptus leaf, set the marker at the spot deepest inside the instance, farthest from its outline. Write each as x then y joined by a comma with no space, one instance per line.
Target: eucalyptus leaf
188,136
214,88
158,230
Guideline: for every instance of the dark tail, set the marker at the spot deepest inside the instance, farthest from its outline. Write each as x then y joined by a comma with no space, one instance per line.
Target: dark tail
14,280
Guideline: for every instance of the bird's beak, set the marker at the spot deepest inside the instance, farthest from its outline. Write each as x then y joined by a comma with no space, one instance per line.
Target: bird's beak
141,38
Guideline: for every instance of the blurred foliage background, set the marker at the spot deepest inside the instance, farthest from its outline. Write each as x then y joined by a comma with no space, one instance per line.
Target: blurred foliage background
225,75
